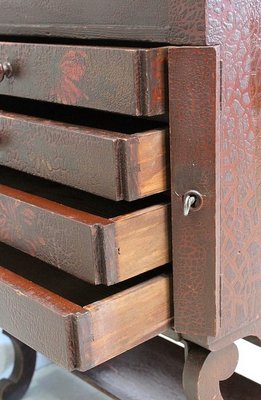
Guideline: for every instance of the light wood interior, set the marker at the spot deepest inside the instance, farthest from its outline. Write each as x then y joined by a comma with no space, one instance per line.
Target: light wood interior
61,283
74,198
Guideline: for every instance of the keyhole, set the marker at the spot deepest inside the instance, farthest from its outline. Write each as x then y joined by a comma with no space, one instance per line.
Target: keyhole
193,201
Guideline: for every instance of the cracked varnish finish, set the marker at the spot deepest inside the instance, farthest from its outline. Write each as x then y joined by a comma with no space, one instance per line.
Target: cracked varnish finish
77,325
235,26
106,163
187,22
123,80
97,240
195,158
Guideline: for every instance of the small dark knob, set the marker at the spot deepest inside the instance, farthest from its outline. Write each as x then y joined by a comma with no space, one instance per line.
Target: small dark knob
6,70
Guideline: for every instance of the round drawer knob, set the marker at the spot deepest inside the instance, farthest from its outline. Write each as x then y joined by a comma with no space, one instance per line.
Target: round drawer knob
6,70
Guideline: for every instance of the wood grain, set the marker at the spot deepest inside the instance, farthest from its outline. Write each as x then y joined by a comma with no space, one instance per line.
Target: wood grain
117,321
150,173
133,165
135,239
94,248
79,336
123,80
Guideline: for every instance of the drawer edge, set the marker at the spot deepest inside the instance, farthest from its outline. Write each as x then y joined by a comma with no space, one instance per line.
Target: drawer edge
50,321
146,164
27,213
134,166
139,249
114,324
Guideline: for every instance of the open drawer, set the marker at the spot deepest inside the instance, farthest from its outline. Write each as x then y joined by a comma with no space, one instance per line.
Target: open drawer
123,80
75,324
97,240
120,158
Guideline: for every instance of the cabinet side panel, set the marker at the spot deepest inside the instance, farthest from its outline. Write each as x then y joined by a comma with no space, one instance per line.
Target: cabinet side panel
236,26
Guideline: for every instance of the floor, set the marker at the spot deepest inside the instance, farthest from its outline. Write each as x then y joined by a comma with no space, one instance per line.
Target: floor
53,383
50,382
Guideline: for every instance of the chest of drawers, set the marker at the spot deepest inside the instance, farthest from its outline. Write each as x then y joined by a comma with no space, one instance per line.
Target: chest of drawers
130,158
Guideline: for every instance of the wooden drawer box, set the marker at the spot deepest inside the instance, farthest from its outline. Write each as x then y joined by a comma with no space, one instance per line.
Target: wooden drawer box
107,163
123,80
96,240
73,323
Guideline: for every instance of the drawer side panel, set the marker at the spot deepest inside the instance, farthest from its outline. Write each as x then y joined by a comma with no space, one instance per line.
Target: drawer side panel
61,153
44,233
143,240
146,160
103,78
125,320
43,323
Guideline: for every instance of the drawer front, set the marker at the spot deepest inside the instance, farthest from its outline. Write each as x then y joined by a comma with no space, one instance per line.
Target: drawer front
175,21
133,165
123,80
95,249
82,336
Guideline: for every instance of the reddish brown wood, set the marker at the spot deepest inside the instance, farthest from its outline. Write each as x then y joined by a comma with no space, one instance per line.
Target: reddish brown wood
15,387
133,165
195,158
76,324
123,80
84,235
235,26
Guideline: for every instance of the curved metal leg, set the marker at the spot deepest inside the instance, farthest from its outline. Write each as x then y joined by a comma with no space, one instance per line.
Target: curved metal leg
204,370
16,386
